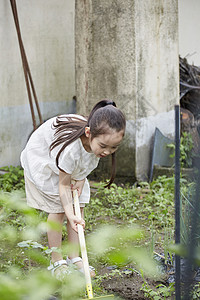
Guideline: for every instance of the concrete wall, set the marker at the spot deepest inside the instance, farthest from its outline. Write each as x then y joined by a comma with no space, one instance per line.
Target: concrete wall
189,28
47,29
157,75
128,51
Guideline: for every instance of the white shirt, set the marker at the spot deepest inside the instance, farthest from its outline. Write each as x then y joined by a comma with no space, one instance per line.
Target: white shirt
40,164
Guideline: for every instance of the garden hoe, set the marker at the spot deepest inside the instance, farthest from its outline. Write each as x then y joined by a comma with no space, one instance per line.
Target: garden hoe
84,251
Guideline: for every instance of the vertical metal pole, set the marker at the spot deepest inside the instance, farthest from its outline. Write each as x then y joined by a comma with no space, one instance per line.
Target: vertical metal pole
177,201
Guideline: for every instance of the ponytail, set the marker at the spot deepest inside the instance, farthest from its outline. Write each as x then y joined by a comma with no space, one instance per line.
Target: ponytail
68,130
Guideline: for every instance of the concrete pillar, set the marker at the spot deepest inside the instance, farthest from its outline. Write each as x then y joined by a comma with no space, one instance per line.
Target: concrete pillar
157,80
128,51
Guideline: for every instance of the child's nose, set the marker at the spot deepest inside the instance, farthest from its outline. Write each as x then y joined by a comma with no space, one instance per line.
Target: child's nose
107,152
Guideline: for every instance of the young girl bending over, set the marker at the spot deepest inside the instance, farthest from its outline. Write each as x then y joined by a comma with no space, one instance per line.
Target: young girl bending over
62,149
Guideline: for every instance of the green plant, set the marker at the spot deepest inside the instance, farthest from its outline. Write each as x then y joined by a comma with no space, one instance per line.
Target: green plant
30,258
122,245
13,179
186,147
147,203
23,262
195,294
160,292
24,248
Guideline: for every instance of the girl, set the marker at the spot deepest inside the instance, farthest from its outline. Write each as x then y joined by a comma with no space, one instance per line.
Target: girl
62,149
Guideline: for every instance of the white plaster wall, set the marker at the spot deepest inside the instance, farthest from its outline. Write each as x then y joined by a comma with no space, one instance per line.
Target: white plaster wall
47,29
189,28
156,56
157,75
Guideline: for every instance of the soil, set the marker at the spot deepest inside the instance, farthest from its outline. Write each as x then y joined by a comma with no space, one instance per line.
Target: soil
127,286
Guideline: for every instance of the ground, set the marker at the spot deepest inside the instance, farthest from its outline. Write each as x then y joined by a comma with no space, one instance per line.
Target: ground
127,287
127,284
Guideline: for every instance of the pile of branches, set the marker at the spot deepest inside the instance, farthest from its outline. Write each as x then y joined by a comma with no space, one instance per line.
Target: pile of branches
189,87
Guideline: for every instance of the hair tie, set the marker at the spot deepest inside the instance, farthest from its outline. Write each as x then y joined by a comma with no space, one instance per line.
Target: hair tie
111,103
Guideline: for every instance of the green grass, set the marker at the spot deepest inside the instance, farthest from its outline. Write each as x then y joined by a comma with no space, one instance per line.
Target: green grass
145,204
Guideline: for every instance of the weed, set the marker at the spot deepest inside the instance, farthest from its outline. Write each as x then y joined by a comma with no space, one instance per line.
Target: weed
13,179
196,291
160,292
186,147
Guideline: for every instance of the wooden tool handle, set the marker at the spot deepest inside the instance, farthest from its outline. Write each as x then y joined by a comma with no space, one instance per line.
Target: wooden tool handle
83,247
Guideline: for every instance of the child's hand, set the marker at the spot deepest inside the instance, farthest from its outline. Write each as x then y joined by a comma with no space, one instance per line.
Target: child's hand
78,185
74,221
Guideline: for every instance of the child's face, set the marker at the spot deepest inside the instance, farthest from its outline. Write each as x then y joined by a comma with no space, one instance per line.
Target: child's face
105,144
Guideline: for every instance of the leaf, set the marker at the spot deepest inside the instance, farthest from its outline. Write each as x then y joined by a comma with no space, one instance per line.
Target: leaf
24,243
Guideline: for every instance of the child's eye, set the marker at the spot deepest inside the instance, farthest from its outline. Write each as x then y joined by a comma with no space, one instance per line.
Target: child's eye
102,146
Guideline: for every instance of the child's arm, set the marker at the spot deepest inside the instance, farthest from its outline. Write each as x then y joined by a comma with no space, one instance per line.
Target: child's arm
66,199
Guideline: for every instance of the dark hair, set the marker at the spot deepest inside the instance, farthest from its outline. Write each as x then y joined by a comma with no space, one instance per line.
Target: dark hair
104,115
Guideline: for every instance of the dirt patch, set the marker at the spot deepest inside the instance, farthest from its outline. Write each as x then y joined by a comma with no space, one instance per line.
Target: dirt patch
127,285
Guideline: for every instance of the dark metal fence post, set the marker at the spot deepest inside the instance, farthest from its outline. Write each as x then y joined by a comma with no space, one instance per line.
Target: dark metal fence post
177,201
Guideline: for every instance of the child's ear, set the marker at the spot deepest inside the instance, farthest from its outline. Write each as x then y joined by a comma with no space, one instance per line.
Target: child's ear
87,132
